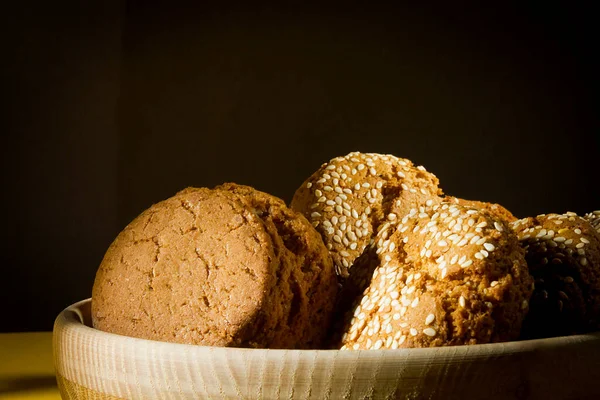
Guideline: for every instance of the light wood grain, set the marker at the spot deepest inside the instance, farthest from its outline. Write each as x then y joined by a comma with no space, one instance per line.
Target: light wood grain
130,368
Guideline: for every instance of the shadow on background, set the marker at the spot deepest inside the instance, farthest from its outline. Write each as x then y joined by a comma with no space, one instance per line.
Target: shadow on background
11,385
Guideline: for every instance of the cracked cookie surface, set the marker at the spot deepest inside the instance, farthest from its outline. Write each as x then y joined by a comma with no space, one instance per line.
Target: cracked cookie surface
230,266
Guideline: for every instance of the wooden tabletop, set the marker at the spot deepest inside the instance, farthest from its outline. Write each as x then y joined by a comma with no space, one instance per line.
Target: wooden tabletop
26,368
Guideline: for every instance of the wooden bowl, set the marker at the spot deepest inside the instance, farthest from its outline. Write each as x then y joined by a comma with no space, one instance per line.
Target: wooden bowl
94,364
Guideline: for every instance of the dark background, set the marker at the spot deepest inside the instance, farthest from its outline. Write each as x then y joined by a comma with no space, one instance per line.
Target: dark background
111,106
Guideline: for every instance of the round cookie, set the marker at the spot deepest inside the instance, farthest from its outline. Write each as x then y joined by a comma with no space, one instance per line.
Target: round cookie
448,274
594,219
348,198
230,266
563,254
496,209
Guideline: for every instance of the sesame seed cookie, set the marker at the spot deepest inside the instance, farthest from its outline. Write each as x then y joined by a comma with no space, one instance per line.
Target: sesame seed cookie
594,219
563,254
447,274
349,197
229,266
496,209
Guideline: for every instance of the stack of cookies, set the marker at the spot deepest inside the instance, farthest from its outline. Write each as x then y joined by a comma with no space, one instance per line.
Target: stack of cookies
369,255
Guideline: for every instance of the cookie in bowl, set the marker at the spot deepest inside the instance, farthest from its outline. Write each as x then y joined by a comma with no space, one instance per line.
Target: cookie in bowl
446,274
230,266
563,254
496,209
594,219
350,197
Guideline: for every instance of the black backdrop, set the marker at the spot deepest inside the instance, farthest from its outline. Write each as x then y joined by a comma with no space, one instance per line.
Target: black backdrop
114,105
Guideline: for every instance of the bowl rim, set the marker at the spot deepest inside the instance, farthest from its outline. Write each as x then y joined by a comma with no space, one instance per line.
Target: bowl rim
72,318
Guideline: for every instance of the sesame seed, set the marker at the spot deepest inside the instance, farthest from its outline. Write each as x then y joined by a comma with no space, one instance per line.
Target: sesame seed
583,261
569,279
489,246
559,239
461,301
430,318
478,256
466,264
578,231
494,283
429,331
337,239
484,253
378,345
481,224
413,332
315,215
563,295
415,302
525,304
584,240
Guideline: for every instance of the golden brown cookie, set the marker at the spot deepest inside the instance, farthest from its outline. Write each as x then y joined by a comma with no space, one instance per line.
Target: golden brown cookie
230,266
447,274
349,197
496,209
563,254
594,219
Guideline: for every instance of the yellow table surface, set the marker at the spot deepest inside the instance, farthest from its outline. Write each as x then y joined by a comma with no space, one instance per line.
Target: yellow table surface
26,369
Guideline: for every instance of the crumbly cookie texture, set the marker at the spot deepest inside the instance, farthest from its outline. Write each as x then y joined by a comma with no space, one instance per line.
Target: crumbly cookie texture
350,197
229,266
594,219
445,274
495,209
563,254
